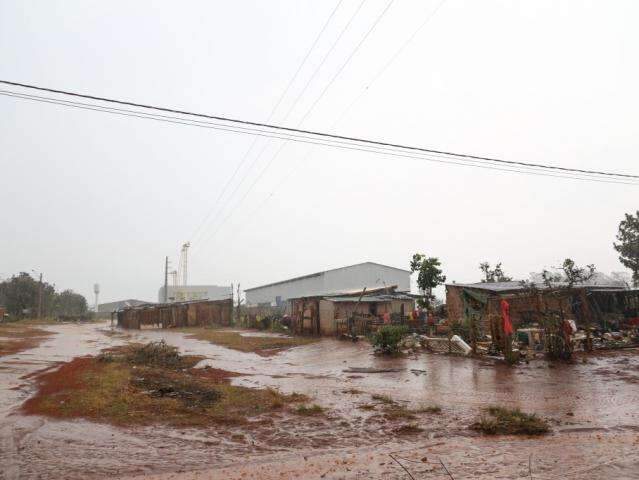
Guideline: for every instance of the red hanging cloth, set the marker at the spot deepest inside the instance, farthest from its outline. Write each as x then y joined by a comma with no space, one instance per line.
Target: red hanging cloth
505,316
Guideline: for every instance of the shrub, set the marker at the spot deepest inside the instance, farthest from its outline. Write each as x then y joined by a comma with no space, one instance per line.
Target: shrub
502,420
388,338
312,410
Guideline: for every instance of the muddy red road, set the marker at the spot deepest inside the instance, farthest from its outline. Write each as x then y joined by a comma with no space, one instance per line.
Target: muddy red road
592,405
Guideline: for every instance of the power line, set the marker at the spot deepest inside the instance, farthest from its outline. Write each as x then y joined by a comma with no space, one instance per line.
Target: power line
350,57
314,104
385,67
324,58
317,133
322,142
294,103
277,104
392,59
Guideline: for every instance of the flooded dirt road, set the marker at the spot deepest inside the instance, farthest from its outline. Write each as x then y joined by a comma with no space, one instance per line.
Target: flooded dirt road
592,406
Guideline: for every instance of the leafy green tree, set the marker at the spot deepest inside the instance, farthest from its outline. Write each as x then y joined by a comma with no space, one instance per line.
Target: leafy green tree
70,303
628,246
493,275
429,276
19,294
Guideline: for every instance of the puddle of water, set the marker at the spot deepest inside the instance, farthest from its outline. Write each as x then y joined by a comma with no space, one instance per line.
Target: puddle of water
597,412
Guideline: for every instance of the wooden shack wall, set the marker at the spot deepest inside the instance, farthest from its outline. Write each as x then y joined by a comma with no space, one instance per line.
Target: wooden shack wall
218,312
525,308
305,316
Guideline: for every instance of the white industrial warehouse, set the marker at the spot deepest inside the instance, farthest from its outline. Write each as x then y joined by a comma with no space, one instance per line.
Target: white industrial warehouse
338,280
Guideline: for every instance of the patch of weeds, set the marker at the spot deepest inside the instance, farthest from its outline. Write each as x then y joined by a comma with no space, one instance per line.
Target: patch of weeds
297,397
500,420
383,398
115,388
309,411
366,406
397,412
106,357
408,429
428,409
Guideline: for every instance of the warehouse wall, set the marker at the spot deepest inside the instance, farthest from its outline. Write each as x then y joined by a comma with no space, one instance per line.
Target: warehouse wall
350,278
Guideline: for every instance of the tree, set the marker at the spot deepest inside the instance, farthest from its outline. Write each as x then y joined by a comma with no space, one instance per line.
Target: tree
429,276
70,303
576,274
21,295
628,246
571,274
494,275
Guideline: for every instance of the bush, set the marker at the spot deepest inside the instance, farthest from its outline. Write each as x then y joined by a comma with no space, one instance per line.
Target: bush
388,338
157,354
502,420
312,410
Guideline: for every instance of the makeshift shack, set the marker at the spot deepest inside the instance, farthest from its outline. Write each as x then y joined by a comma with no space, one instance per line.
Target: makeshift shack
588,305
329,314
179,314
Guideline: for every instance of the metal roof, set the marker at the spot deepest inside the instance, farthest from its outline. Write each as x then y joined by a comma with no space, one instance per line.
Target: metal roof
516,285
370,299
317,274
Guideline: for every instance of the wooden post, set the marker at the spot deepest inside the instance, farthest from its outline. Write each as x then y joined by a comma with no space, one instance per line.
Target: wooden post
40,298
239,303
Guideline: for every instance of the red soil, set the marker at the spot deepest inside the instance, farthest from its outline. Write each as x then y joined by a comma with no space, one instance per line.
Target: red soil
52,383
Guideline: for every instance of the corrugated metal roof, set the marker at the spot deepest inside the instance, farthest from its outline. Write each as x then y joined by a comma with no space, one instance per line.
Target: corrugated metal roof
310,275
516,285
370,298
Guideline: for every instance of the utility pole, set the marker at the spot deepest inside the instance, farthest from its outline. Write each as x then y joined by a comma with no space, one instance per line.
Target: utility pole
166,279
239,302
40,298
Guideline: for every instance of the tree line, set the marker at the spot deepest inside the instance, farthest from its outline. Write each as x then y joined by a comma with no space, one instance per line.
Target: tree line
24,296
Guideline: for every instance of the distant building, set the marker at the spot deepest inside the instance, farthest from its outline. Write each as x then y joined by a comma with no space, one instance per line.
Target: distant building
195,292
113,306
338,280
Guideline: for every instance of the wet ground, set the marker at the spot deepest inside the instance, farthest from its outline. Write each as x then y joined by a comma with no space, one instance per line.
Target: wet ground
592,404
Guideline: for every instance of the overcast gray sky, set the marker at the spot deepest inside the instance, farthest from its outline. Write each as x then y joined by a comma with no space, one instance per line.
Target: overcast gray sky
91,197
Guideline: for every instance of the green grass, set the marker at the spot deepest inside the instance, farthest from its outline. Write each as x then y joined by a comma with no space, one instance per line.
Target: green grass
500,420
309,410
428,409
